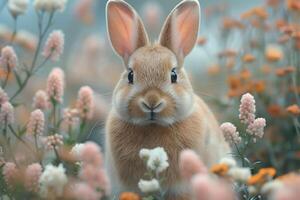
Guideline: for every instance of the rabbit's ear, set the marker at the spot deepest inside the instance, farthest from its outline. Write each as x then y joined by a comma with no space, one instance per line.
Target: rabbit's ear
125,28
180,29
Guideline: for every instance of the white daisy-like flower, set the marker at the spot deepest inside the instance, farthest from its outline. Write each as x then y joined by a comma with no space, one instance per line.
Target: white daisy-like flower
240,174
149,186
76,150
271,186
228,161
17,7
50,5
52,181
157,159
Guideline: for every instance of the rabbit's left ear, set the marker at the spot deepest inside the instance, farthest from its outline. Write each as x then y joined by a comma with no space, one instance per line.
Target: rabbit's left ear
180,29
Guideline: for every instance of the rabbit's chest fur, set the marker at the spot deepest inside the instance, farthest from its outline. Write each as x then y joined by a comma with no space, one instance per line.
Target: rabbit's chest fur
126,140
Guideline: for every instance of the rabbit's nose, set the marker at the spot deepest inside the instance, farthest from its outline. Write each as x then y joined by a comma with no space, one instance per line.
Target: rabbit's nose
156,108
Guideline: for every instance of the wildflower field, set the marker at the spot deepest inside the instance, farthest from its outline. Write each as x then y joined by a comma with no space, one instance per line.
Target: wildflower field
95,103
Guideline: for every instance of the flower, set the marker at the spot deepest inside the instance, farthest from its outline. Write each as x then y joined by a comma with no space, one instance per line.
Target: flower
230,133
129,196
273,54
91,154
70,116
85,102
220,169
83,191
3,97
50,5
248,58
206,188
32,175
190,164
54,46
271,186
7,114
149,186
36,123
229,161
293,109
55,85
201,41
157,159
53,181
240,174
40,100
53,141
17,7
257,127
76,151
262,176
247,109
8,59
10,173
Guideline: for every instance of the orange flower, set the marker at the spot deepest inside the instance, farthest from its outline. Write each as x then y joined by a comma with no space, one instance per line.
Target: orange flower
245,74
229,23
213,70
228,53
273,3
258,86
266,69
293,109
280,23
201,41
230,62
262,176
220,169
275,110
284,71
293,5
129,196
273,54
259,12
248,58
234,82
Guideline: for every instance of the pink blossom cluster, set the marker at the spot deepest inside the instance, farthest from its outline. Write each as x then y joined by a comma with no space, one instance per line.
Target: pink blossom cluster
70,116
247,109
3,96
230,133
32,175
6,114
36,123
55,85
40,100
203,186
85,102
54,45
256,128
92,172
10,173
8,59
54,141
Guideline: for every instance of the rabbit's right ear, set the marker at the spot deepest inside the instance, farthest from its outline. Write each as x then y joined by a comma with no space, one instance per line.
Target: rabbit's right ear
125,28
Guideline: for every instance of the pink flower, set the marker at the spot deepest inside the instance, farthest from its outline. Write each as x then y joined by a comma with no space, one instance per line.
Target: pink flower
7,114
206,188
230,133
247,109
40,100
8,59
54,45
3,97
82,191
55,85
36,123
85,102
70,116
10,173
257,127
32,175
91,154
95,177
190,164
53,141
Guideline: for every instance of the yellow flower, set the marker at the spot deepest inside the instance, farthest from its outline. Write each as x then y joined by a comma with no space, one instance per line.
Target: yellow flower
262,176
220,169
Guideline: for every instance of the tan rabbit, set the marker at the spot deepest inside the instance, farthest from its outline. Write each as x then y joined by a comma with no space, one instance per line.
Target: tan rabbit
154,104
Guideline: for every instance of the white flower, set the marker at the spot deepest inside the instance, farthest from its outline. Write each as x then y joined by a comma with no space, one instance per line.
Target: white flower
240,174
157,158
271,186
148,186
52,181
17,7
50,5
76,150
228,161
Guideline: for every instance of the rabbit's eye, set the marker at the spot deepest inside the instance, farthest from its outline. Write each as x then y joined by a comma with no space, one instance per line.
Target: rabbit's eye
130,77
173,76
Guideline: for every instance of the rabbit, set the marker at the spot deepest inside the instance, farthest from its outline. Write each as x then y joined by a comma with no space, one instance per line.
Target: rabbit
154,103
